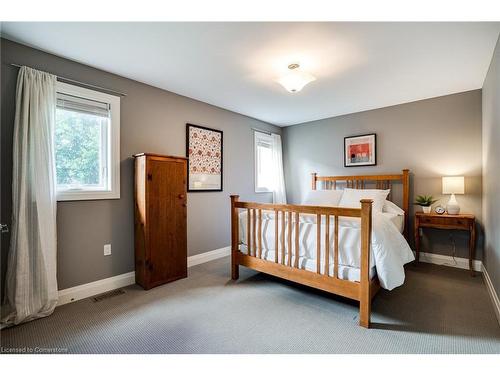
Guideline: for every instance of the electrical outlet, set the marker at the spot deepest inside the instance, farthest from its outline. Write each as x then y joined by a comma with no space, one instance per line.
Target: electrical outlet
107,249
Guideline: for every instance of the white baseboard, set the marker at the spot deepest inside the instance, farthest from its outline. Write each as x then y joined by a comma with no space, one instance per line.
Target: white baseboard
208,256
493,294
105,285
96,287
446,260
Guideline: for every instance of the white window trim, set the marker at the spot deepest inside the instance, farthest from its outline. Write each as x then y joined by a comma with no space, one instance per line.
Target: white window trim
258,135
114,145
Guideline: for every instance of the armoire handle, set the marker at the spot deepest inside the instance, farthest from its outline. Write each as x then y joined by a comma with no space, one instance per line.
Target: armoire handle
181,196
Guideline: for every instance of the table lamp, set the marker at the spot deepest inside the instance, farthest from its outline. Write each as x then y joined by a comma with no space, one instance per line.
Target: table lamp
453,185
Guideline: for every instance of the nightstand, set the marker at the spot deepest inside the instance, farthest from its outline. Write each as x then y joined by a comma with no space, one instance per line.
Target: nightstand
451,222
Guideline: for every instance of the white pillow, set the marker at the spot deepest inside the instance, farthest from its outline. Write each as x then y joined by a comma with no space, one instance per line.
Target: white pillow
351,198
327,198
392,208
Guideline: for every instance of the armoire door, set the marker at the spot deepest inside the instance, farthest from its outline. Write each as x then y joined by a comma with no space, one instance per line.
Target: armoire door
167,212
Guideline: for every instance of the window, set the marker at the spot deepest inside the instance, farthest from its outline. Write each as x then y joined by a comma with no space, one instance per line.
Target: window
87,144
263,162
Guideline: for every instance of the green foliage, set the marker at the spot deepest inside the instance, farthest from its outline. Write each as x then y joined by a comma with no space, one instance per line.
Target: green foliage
425,200
77,147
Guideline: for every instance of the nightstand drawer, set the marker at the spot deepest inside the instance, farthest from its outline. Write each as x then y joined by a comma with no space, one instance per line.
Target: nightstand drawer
444,221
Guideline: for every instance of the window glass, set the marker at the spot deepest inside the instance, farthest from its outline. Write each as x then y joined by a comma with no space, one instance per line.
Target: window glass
81,145
263,162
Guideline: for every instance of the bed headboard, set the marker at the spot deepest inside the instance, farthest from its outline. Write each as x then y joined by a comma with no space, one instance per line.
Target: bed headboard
381,181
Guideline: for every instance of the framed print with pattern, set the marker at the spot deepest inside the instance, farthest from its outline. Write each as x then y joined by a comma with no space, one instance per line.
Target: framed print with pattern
204,151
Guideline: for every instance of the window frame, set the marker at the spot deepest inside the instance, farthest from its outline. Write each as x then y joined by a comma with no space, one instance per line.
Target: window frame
113,146
257,136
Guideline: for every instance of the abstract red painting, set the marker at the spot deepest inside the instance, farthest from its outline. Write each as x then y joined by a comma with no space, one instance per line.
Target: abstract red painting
360,150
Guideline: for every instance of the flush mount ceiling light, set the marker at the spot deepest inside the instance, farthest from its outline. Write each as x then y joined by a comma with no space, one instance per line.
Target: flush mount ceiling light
295,79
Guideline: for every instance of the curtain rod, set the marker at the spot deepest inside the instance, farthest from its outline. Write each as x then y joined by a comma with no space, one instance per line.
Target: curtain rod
68,80
263,131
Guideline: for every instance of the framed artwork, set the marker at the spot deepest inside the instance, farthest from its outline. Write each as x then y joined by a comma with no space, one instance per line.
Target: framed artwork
204,152
360,150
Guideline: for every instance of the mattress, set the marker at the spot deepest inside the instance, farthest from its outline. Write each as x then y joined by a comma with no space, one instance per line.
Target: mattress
345,272
389,250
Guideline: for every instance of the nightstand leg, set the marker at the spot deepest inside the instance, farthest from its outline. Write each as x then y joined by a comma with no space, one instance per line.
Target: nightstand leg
472,248
417,243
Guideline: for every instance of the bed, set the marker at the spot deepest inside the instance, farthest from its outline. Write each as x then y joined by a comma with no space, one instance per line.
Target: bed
351,249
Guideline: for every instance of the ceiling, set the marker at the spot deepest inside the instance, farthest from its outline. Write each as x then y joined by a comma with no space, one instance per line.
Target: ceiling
358,66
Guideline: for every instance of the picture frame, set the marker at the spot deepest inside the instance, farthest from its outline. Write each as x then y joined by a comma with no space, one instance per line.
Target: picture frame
204,150
360,150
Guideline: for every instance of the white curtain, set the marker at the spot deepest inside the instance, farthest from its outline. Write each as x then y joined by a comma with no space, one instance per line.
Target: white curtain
31,285
279,192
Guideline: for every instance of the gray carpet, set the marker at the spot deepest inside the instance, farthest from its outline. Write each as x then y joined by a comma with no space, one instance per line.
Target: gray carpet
438,310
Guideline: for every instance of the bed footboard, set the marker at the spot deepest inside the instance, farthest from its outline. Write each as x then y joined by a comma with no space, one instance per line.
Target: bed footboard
287,222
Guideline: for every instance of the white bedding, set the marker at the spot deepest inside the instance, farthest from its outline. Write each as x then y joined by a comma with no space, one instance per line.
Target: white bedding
389,250
397,220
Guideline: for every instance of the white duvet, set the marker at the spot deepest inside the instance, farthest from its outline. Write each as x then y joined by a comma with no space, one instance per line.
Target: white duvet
389,249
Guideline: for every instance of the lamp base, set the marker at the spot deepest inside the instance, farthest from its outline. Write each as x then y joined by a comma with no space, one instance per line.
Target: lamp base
452,207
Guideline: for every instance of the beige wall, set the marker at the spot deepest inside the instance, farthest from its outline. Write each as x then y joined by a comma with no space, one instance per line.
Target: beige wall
491,169
434,137
152,120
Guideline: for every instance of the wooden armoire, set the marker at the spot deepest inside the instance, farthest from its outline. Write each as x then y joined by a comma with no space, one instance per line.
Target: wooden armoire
160,219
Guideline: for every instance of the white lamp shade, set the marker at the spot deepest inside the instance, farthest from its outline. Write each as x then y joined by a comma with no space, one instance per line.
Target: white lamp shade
295,80
453,185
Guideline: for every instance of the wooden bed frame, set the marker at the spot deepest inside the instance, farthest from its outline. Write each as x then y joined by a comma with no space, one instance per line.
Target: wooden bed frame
362,291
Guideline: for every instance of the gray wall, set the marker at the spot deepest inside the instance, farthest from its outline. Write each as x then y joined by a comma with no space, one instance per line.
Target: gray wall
152,120
491,169
434,137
